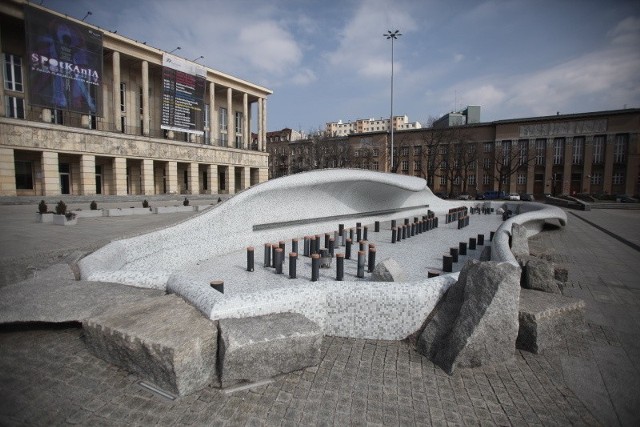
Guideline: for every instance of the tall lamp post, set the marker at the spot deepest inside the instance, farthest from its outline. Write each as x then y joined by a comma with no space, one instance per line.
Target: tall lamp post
393,35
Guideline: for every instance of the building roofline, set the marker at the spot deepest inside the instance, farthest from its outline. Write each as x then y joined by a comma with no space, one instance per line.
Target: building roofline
568,116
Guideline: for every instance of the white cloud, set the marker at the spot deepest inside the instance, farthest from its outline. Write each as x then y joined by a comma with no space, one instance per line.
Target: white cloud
303,77
268,47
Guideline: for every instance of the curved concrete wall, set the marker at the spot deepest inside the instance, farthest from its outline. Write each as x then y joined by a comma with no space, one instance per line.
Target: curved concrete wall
150,259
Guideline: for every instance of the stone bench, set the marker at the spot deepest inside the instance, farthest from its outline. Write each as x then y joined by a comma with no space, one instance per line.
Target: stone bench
546,319
256,348
163,340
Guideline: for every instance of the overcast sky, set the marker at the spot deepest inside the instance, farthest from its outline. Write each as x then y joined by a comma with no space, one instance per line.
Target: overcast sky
328,60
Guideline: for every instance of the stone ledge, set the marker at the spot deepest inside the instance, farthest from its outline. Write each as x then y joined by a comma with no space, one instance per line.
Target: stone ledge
164,340
545,319
255,348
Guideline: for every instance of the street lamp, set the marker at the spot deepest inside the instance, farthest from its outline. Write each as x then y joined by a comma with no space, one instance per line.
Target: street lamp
198,58
178,48
393,35
85,16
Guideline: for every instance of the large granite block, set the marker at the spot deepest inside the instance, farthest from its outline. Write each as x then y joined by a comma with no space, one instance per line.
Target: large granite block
547,319
388,271
519,240
539,275
163,340
255,348
477,322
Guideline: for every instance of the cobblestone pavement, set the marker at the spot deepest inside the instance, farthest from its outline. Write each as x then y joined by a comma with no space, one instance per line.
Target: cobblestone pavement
48,377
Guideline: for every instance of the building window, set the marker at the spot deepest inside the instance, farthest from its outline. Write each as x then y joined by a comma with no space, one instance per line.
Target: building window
618,178
376,153
620,149
486,179
123,94
223,125
14,107
24,175
598,149
558,151
405,151
56,117
405,165
471,180
541,145
486,163
456,180
488,147
141,101
238,121
596,178
443,180
417,165
12,72
578,150
417,150
521,179
374,165
506,152
93,121
524,152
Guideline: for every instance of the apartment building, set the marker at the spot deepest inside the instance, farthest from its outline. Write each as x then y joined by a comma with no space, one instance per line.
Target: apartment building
369,125
89,111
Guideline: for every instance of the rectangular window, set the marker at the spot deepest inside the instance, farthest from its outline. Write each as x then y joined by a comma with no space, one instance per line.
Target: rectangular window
93,122
598,149
506,151
443,180
558,151
374,165
488,147
123,97
522,178
123,124
456,180
140,100
578,150
405,165
376,153
486,179
523,147
471,180
24,175
238,125
56,117
417,150
541,145
620,149
486,163
618,178
417,165
14,107
596,178
12,72
222,113
405,151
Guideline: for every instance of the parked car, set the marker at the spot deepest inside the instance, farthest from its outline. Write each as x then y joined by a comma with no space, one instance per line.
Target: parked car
493,195
464,197
514,196
479,196
527,197
441,195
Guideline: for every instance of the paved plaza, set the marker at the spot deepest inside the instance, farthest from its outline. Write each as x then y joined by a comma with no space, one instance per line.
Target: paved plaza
48,376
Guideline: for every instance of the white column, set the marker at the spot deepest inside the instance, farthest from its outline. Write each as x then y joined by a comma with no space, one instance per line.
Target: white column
50,174
87,174
171,176
116,90
7,172
212,178
148,187
120,176
145,98
194,181
260,139
231,130
246,137
264,123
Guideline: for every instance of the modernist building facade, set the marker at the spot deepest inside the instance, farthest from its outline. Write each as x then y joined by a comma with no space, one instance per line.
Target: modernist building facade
596,153
132,141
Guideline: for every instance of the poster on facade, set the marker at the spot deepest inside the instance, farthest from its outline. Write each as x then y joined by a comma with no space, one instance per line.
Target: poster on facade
64,63
183,85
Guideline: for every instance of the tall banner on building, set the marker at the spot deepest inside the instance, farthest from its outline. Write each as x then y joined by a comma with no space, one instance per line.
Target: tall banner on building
183,84
64,63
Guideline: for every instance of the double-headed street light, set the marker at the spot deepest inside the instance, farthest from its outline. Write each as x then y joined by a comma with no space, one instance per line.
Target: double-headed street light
393,35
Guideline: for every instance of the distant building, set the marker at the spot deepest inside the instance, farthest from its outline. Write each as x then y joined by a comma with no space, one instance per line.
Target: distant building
468,116
596,152
369,125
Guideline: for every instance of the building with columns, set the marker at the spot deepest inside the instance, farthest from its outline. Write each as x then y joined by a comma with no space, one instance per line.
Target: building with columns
124,144
595,152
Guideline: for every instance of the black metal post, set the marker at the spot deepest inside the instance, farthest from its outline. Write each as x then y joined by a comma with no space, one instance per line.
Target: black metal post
250,258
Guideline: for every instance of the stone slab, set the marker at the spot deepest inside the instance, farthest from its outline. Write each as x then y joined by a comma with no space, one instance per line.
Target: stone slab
54,296
164,340
538,274
388,271
547,319
255,348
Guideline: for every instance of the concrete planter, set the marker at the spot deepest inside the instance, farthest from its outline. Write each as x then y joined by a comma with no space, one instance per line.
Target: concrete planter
89,214
62,220
172,209
128,211
44,218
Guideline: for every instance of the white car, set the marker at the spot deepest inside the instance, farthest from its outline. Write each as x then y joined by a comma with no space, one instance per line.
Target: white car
514,196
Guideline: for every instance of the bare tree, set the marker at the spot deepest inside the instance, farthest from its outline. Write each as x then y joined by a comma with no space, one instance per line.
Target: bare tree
509,157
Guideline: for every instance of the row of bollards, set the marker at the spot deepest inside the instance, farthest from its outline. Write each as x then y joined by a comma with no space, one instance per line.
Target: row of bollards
455,214
407,230
454,253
